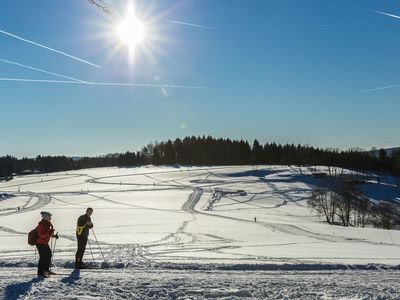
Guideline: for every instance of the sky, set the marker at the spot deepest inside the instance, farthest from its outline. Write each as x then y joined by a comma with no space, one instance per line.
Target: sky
285,71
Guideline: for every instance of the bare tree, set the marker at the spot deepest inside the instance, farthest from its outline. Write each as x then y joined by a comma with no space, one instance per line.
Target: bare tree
396,168
100,4
322,203
343,198
342,201
362,211
386,215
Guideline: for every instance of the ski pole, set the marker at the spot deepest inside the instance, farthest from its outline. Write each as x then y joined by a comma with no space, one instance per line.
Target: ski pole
90,247
98,245
52,253
53,250
51,245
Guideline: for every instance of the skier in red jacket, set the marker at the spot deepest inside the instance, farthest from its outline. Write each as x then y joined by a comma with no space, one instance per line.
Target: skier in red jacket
45,231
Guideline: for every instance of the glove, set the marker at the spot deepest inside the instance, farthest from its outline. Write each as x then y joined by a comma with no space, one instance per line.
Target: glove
56,236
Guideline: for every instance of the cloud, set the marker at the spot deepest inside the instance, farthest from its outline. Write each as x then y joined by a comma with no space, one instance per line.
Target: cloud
48,48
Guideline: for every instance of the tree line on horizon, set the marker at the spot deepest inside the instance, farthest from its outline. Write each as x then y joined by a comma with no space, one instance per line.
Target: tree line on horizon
210,151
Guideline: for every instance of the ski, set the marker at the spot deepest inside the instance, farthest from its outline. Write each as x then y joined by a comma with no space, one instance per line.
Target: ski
55,274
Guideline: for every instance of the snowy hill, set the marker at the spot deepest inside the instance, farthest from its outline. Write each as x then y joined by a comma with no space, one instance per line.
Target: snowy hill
164,230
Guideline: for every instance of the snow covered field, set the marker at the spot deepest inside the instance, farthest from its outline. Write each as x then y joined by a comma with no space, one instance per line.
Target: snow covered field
234,232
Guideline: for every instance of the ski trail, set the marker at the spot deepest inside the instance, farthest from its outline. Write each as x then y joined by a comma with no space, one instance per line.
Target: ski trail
40,181
194,198
176,237
129,255
284,228
43,200
133,205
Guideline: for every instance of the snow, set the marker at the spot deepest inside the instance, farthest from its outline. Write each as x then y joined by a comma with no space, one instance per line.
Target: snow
161,242
181,284
381,192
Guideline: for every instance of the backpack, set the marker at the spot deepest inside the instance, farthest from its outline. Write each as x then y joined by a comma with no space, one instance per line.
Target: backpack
32,237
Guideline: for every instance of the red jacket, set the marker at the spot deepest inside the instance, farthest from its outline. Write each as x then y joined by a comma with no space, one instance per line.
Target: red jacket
45,231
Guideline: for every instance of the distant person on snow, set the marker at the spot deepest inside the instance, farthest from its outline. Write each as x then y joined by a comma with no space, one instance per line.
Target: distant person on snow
83,225
45,231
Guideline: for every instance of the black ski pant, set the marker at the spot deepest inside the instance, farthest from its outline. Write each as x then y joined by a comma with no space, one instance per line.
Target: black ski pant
44,258
82,241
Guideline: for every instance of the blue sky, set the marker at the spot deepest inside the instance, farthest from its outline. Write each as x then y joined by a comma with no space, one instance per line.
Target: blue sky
285,71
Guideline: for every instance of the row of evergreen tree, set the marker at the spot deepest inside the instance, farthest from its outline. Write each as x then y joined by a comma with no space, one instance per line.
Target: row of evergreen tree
210,151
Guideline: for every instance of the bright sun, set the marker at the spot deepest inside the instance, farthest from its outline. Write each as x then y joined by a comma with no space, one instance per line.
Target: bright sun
131,30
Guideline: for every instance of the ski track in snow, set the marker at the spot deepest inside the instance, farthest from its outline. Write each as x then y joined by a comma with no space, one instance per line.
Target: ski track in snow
189,206
43,200
188,284
143,271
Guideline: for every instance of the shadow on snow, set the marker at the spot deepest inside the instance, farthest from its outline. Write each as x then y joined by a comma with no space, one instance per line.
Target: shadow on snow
72,278
14,291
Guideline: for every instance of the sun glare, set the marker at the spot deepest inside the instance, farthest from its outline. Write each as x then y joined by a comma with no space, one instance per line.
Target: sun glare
131,30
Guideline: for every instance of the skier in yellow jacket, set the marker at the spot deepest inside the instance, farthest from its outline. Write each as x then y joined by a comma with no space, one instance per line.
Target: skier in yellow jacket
83,225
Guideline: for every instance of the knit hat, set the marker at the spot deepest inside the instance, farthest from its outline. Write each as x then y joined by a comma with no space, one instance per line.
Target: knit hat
45,215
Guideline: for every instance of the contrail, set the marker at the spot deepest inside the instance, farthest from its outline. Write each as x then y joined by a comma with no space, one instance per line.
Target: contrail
48,48
191,24
173,86
39,70
388,86
333,24
380,88
386,14
38,80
